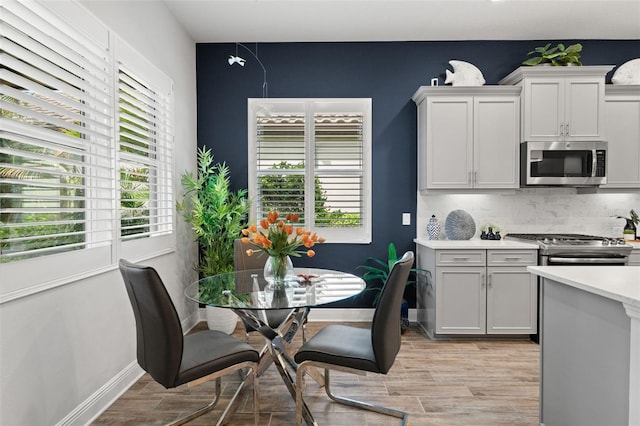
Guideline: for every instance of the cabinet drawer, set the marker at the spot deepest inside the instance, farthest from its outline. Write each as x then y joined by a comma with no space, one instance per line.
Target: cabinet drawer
461,257
512,257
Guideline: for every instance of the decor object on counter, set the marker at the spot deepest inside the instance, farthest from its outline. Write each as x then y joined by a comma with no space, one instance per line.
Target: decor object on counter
464,74
433,228
490,232
459,225
627,73
630,228
557,56
279,238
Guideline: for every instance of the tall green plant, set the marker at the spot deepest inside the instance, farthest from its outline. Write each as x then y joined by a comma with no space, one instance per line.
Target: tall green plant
217,215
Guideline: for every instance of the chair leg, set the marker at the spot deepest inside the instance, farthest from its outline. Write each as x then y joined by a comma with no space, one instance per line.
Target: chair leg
360,404
202,410
234,400
340,399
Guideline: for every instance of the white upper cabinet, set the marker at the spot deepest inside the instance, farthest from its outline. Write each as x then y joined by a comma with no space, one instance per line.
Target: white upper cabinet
468,137
561,103
622,131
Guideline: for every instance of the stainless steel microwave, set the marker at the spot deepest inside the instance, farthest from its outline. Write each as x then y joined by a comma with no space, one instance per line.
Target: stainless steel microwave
563,163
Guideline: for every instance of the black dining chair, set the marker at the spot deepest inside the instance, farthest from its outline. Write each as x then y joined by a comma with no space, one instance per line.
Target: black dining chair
359,350
173,359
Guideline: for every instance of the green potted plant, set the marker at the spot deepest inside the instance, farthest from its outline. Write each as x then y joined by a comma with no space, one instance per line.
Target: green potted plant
217,216
558,55
378,272
630,228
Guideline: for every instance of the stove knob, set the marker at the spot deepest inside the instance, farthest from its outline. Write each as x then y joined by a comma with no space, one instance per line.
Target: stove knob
606,242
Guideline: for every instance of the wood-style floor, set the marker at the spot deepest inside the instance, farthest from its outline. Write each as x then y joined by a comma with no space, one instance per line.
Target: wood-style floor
461,382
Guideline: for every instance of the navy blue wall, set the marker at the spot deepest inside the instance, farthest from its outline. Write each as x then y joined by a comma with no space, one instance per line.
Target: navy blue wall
387,72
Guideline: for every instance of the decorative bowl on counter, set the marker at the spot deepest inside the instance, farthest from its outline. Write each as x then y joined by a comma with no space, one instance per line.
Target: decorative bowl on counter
459,225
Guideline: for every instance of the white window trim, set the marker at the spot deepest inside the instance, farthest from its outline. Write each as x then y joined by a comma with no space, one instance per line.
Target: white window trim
360,235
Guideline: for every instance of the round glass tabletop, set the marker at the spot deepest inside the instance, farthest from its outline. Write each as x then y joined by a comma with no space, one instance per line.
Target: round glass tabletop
250,290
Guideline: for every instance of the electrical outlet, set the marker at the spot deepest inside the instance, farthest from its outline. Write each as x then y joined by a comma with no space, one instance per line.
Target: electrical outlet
406,218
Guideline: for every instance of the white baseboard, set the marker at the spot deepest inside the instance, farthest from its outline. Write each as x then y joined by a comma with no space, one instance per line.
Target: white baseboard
93,406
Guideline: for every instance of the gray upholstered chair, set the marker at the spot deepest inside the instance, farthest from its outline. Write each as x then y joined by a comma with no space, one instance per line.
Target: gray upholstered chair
173,359
358,350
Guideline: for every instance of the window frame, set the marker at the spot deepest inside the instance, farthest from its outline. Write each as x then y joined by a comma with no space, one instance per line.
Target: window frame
310,106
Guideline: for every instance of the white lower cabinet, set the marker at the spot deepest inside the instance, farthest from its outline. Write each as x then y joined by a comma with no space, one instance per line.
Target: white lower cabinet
634,258
511,301
477,292
461,302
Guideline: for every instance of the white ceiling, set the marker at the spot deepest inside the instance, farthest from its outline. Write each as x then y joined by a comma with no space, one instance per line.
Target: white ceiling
403,20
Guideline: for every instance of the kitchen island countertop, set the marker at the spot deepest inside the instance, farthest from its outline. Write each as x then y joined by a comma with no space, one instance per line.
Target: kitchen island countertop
475,243
619,283
590,316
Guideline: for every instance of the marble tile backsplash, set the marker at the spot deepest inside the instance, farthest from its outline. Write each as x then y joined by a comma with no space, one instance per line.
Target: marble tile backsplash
543,210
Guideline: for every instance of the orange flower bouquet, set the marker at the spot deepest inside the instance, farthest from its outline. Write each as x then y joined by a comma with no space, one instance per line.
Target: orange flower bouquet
279,238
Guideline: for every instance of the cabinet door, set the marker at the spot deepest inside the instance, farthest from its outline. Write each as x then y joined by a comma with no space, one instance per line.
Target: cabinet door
511,301
543,109
449,142
584,104
460,300
622,120
496,129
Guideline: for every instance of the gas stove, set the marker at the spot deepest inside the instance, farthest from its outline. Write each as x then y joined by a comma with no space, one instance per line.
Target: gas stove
577,249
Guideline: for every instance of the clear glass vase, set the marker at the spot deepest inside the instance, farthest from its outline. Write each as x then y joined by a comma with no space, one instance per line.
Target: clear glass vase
278,270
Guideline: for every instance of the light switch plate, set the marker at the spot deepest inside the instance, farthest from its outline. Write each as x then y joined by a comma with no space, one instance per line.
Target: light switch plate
406,218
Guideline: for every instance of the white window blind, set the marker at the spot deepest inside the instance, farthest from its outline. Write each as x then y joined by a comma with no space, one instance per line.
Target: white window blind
145,138
55,135
312,157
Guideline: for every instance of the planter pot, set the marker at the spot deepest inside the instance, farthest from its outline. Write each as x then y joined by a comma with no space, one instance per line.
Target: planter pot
221,319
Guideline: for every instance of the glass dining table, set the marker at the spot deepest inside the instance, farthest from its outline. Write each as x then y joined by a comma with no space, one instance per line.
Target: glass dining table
251,296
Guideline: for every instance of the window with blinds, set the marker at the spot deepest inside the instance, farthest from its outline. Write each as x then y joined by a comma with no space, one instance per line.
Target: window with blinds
85,147
312,157
145,158
55,137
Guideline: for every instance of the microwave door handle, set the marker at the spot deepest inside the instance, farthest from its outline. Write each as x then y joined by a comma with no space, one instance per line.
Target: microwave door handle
594,162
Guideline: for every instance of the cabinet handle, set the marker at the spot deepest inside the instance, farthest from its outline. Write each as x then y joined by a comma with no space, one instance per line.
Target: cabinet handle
512,258
562,129
566,129
475,176
483,281
469,178
460,258
489,280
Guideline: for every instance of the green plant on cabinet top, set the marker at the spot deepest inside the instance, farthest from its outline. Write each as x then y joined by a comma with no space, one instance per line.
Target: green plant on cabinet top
558,55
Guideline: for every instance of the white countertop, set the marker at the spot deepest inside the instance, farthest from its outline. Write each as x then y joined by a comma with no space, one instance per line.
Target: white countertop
475,243
620,283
